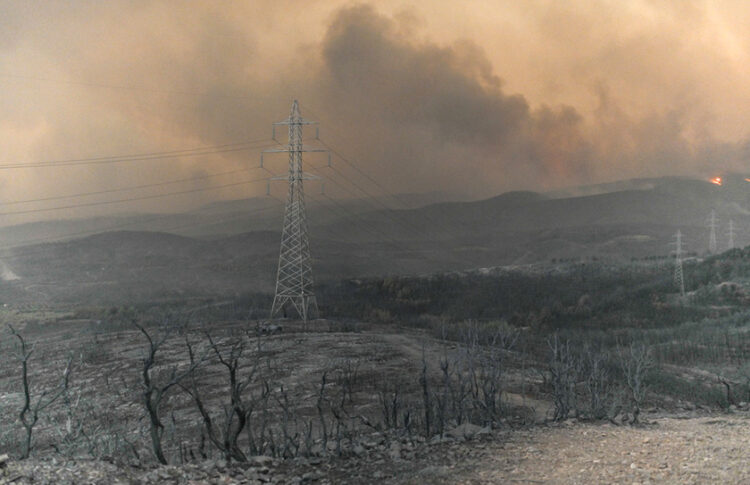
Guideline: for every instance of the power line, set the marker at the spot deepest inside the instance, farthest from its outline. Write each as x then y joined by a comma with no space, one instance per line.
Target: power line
130,199
20,246
379,236
432,221
368,176
360,171
404,223
392,214
357,168
354,218
120,86
347,214
337,234
390,211
219,221
188,152
132,187
382,189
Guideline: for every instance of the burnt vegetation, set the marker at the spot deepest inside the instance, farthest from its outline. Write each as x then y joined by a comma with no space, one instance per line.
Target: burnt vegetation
401,358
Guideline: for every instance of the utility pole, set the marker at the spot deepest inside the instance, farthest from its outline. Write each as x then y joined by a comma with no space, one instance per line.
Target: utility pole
294,280
712,236
731,234
679,279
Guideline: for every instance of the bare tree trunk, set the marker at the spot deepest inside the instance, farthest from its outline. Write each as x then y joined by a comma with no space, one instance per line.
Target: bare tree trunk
154,392
426,396
30,411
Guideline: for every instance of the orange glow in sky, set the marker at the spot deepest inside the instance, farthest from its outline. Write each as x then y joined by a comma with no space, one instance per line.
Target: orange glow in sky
591,97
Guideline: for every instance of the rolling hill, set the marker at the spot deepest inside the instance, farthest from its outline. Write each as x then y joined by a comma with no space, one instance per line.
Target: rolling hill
350,240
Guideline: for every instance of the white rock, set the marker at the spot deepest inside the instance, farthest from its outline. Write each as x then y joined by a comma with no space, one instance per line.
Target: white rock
467,431
261,460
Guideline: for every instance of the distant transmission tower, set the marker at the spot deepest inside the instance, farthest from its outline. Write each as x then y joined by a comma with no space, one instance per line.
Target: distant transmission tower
712,237
678,276
731,234
294,280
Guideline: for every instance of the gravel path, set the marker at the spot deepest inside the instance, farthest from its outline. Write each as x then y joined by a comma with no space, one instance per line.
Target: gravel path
684,451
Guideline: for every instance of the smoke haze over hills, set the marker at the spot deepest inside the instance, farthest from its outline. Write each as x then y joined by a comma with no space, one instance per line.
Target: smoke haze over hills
469,101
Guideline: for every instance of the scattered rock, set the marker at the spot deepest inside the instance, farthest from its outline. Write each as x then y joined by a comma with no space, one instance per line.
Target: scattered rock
261,460
394,452
467,431
312,477
680,450
437,439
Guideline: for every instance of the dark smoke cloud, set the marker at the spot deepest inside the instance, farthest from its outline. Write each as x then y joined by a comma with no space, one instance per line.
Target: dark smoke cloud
441,112
417,113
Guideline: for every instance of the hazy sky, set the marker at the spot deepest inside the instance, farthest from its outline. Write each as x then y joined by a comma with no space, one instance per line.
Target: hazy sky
472,98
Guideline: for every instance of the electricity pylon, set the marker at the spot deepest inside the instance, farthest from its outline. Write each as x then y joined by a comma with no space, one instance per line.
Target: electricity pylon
679,279
712,235
731,234
294,280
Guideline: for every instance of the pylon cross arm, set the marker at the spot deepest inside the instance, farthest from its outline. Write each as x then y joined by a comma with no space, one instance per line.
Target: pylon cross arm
290,148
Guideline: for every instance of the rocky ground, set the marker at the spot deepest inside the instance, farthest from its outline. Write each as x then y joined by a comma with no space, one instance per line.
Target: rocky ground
687,449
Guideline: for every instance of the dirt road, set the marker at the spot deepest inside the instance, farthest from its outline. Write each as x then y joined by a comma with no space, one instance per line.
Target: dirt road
684,451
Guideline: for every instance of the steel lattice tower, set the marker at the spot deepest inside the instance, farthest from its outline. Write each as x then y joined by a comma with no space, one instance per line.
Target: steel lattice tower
679,279
712,235
294,279
730,234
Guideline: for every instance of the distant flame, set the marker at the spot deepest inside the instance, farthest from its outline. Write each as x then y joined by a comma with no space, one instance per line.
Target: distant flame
718,180
747,180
